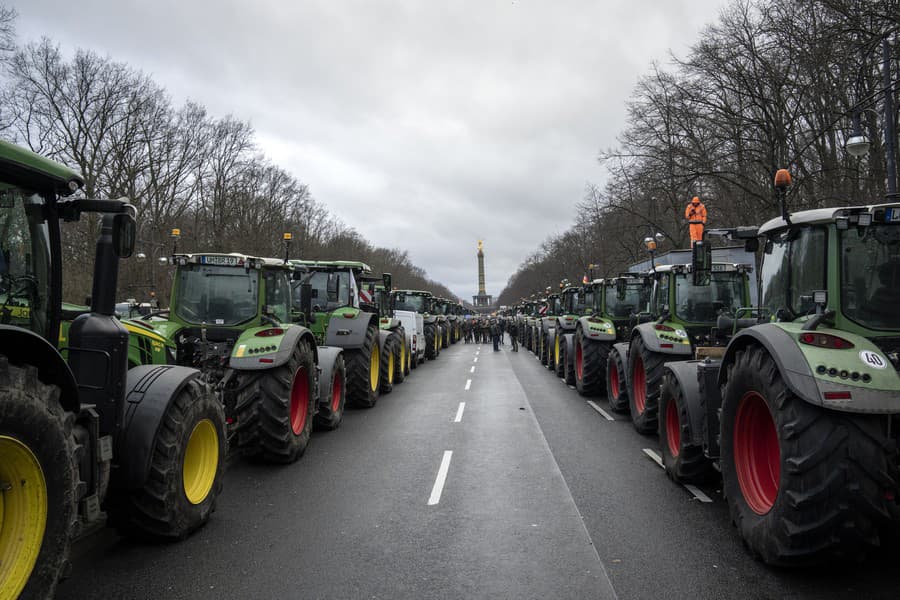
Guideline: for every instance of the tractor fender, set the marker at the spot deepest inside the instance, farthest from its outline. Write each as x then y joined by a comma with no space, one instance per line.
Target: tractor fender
349,334
28,347
292,336
622,350
569,341
328,355
383,335
686,377
149,392
653,343
594,334
784,351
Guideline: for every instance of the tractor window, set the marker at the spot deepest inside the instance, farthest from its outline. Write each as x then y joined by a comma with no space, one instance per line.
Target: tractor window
662,295
807,269
702,304
410,302
216,295
774,274
634,301
278,295
330,290
24,261
870,276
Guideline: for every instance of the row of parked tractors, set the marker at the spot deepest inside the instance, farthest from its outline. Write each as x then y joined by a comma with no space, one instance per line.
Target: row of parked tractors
793,401
128,422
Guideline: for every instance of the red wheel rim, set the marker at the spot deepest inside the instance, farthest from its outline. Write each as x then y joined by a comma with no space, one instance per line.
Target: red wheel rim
299,400
673,428
337,388
579,361
757,456
614,379
639,380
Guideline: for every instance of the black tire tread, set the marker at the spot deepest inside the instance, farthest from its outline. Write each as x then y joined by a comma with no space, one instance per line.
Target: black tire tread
646,422
358,363
593,365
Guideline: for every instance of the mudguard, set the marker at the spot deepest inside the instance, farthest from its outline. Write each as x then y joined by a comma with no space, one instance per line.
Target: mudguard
26,346
685,374
569,341
148,393
327,357
292,336
784,351
654,344
349,334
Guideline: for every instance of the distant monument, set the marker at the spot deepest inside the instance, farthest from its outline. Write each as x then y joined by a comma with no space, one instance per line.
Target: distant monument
483,299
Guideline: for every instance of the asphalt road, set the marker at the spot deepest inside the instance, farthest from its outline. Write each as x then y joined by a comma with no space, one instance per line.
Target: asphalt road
542,497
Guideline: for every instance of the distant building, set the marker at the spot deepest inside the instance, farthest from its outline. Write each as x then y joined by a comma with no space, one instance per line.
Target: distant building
482,299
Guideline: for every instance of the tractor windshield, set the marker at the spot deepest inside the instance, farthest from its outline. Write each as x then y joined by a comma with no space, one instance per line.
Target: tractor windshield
24,261
702,304
634,301
411,302
216,295
870,276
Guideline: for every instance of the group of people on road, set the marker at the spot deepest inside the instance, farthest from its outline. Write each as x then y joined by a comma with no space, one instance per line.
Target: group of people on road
491,329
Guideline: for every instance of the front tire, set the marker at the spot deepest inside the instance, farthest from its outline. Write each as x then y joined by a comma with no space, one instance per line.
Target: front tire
644,376
684,462
331,415
388,365
431,343
39,475
616,389
186,470
803,484
590,356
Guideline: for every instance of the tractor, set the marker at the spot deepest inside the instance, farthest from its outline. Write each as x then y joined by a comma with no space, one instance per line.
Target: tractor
328,299
576,302
623,302
547,330
801,412
83,437
230,315
395,356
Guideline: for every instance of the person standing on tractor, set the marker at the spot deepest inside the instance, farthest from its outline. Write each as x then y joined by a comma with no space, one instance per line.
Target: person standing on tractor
695,213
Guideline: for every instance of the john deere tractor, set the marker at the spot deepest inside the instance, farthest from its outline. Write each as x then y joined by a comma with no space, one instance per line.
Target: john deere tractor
328,297
395,356
801,413
85,436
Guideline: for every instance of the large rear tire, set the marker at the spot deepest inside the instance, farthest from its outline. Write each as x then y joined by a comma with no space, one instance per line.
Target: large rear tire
186,471
330,416
400,357
39,480
684,462
388,365
803,484
364,371
545,348
590,359
560,358
644,377
616,389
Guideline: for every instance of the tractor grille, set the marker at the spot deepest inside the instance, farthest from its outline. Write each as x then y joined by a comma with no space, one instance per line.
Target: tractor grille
891,347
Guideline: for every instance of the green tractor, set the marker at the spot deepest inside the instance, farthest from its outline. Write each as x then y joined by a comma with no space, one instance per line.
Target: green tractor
230,315
445,320
575,302
684,318
84,437
623,302
547,330
396,361
801,413
328,300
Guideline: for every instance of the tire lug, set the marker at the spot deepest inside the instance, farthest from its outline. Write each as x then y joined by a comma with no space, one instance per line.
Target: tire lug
5,486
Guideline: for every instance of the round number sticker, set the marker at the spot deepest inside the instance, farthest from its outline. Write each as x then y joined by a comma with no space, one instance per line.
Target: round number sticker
873,359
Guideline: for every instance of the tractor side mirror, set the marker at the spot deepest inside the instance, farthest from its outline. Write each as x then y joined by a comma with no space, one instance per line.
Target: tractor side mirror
621,288
701,263
306,300
124,234
386,278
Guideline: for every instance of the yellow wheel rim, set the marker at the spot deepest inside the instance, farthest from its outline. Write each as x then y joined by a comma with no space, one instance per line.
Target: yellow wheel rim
201,461
403,355
437,343
374,367
556,352
23,514
391,367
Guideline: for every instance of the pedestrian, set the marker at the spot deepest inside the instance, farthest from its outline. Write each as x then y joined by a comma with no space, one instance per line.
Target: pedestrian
502,323
513,328
495,334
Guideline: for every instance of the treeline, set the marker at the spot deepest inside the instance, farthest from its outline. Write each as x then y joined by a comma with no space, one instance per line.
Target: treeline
770,84
180,166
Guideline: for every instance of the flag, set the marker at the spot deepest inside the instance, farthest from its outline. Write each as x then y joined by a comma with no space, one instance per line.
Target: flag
365,297
543,310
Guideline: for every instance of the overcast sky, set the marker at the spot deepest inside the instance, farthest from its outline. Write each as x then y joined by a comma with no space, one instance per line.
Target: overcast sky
425,125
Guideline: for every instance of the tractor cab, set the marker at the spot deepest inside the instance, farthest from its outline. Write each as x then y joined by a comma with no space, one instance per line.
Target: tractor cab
327,289
623,300
412,300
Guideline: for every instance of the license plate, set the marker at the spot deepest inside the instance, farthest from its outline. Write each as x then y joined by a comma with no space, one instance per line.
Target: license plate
221,261
893,214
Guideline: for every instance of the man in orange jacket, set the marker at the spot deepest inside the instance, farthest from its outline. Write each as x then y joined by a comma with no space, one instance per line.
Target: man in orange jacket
695,213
